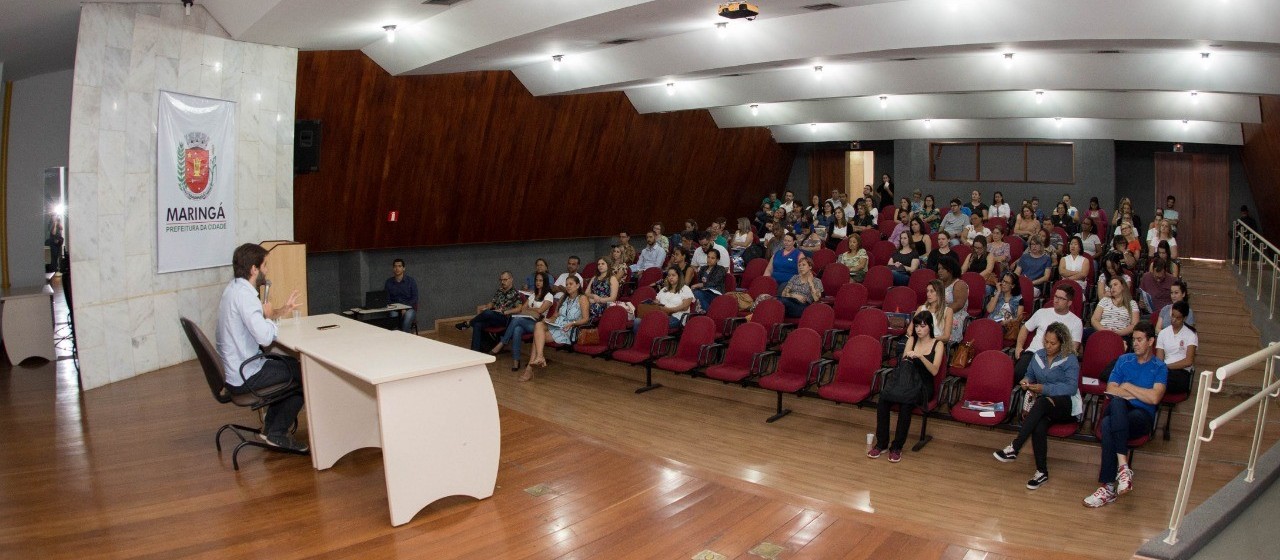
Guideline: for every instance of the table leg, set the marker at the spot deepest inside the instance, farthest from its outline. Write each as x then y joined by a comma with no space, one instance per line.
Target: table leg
342,412
440,437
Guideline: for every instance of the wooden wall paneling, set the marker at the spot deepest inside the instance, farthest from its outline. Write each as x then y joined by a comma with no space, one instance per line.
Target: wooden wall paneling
828,171
1200,183
1261,155
474,158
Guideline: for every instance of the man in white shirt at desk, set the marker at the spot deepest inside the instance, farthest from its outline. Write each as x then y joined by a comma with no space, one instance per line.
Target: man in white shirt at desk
244,327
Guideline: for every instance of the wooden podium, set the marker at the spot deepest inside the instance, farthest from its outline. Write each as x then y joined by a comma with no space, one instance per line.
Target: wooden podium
287,269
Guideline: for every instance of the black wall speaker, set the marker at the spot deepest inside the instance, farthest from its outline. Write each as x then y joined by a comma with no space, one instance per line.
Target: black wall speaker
306,147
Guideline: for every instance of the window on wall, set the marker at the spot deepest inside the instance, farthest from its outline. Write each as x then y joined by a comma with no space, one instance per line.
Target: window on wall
1004,162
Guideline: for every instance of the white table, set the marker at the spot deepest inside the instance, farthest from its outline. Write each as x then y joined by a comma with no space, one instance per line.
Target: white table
26,323
430,406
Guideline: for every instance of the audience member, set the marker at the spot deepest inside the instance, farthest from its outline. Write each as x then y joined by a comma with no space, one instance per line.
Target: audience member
930,214
838,231
863,219
539,267
954,222
903,224
680,262
884,189
1176,347
943,250
662,239
1164,235
497,313
1036,266
940,313
1074,265
802,289
904,261
1118,312
743,238
534,308
1097,214
628,251
1136,386
788,202
602,289
999,248
675,298
1053,376
999,208
1177,292
652,256
976,207
783,265
957,298
706,243
1026,225
403,289
921,241
245,326
1090,243
1006,305
855,259
1112,267
561,326
709,282
1162,252
810,240
1039,321
975,228
1171,215
981,262
1156,286
925,354
570,270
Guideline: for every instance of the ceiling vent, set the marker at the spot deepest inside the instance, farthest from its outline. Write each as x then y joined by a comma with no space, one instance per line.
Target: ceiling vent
1109,51
440,2
820,7
619,41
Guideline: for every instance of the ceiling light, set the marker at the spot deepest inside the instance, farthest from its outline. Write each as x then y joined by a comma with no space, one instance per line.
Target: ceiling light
1057,121
1039,96
391,33
755,109
186,6
1204,55
671,88
817,72
884,101
1008,56
1195,97
722,29
813,127
1185,122
928,123
555,62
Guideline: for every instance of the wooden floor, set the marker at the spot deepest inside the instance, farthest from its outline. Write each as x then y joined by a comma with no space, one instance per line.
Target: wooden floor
588,470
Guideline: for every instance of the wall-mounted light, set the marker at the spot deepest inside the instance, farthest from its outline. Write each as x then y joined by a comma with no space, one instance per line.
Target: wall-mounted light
391,33
671,88
1039,96
884,101
555,62
722,29
817,72
186,6
755,109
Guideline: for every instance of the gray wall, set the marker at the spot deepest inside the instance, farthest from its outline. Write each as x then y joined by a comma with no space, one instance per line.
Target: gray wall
451,280
40,119
1136,176
1095,176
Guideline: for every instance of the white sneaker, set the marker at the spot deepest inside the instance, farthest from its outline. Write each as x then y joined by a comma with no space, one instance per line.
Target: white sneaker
1100,497
1124,480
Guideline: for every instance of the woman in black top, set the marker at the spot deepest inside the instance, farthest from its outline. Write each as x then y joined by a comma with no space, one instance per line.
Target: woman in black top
710,281
925,354
943,250
905,261
920,240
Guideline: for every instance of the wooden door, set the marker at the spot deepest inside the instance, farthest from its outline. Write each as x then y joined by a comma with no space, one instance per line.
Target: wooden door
1201,184
827,172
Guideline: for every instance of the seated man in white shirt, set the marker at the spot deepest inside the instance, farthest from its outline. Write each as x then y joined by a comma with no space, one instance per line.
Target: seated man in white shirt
571,269
244,326
651,256
706,242
1039,322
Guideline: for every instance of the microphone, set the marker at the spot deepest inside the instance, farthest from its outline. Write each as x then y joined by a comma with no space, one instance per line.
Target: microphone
266,290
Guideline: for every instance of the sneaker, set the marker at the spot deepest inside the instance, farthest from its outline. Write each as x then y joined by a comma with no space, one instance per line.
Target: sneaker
1100,497
874,453
1124,480
1037,480
1006,455
895,455
284,442
462,325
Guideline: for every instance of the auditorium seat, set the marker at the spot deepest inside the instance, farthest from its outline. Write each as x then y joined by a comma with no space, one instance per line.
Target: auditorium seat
797,367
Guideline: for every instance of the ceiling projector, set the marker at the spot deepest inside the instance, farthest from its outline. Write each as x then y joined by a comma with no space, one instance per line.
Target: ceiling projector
738,10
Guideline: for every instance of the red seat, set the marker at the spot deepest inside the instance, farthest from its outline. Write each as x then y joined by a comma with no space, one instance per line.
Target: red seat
990,381
920,279
842,247
742,357
730,283
699,334
877,281
977,293
822,258
763,285
613,320
899,299
1134,443
855,375
646,345
1016,247
881,252
869,238
849,300
797,367
985,335
649,276
834,275
871,322
723,308
993,223
961,252
769,313
1103,348
819,318
643,294
753,269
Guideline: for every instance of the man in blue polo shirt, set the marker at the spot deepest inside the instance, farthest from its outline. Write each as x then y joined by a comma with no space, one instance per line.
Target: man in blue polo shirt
1136,386
401,288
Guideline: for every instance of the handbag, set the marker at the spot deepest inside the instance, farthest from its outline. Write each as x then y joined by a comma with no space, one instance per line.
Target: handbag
903,384
1011,328
962,355
589,337
745,303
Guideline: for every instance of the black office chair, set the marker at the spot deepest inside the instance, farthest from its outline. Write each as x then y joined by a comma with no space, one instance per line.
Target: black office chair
211,363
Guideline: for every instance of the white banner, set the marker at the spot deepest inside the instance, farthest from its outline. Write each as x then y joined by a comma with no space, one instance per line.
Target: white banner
195,182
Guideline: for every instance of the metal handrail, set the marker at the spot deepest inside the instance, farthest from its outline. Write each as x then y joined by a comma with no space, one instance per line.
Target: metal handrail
1262,251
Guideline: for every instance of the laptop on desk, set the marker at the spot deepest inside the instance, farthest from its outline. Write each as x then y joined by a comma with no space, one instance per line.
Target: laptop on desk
375,299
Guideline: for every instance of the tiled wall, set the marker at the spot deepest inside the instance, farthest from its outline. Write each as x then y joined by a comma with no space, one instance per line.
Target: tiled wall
126,314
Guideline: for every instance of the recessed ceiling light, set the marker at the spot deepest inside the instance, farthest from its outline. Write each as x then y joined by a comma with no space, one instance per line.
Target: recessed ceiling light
755,109
1008,56
555,62
1204,55
817,72
884,101
1039,96
391,33
928,123
722,29
671,88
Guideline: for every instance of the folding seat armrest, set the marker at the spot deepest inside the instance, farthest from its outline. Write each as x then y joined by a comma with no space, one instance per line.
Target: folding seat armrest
732,323
829,338
781,330
816,369
620,338
759,361
710,353
662,346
